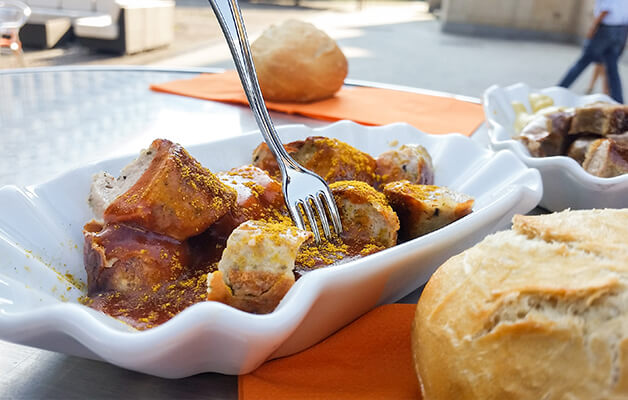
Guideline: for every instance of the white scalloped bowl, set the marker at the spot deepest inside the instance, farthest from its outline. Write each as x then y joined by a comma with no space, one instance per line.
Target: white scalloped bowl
41,240
565,183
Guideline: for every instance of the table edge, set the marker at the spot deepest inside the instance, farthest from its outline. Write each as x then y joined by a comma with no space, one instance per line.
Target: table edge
211,70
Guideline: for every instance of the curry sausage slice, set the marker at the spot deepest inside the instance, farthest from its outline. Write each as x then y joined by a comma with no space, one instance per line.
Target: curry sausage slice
365,214
127,259
174,195
255,270
606,158
425,208
409,162
330,158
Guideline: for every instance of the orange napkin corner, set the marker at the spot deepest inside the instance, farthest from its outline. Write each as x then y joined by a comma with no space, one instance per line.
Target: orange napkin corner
364,105
368,359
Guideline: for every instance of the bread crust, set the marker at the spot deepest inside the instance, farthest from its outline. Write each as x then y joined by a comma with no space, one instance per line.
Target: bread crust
296,62
537,312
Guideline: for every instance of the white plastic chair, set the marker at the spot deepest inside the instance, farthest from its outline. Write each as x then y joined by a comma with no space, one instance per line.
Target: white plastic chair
13,15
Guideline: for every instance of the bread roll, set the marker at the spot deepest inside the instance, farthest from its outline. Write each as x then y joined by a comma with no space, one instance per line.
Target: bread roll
296,62
537,312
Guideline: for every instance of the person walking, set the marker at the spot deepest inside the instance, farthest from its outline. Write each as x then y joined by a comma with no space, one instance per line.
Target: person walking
605,42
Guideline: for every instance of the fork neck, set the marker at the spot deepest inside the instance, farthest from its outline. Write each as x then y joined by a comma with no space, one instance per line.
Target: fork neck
230,20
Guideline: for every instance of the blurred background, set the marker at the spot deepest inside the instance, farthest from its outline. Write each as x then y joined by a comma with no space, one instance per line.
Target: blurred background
458,46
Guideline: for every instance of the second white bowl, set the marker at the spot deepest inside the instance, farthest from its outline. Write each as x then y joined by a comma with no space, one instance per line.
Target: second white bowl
565,183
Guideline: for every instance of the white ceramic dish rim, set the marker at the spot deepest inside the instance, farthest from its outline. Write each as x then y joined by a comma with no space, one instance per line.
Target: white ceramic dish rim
78,321
501,136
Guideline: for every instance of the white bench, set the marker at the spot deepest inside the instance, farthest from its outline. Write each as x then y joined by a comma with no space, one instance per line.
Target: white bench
118,26
129,26
51,20
63,8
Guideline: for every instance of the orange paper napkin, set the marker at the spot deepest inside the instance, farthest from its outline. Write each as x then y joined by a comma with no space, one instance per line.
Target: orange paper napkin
369,359
365,105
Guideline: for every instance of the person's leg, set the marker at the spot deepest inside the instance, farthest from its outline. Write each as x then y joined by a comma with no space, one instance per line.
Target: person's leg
575,71
591,52
612,72
611,58
598,70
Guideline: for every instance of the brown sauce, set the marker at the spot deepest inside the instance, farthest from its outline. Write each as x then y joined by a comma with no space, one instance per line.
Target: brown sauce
145,278
159,292
149,308
144,309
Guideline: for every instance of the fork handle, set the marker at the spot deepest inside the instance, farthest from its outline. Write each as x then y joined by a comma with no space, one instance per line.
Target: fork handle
230,20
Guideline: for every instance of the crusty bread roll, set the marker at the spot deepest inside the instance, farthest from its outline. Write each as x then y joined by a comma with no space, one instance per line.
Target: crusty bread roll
296,62
537,312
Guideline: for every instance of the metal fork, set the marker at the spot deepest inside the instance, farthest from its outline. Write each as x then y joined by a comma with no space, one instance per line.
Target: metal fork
303,190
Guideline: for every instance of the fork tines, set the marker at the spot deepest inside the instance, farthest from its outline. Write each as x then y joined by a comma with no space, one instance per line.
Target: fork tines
323,205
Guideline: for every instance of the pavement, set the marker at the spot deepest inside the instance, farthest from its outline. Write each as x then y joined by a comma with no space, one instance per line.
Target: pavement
396,42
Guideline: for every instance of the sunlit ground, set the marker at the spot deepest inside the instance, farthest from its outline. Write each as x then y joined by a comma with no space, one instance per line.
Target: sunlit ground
395,42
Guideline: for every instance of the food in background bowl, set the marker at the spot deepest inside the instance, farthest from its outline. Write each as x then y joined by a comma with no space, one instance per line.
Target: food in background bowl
536,312
296,62
539,103
566,184
595,135
169,233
